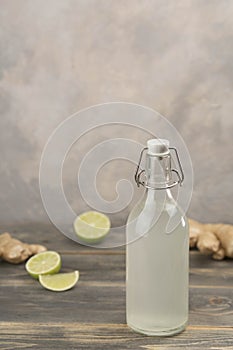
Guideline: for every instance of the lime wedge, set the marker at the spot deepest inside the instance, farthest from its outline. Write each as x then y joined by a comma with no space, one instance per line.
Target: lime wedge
92,226
48,262
60,281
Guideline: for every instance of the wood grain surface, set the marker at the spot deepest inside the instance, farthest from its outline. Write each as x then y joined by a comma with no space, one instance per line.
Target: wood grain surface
92,315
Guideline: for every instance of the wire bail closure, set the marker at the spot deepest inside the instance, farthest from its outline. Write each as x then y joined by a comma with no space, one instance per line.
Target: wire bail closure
140,171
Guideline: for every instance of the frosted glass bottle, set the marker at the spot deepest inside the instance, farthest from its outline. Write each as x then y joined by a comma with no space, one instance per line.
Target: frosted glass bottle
157,262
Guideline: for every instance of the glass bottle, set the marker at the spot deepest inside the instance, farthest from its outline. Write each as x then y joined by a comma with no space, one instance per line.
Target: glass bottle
157,261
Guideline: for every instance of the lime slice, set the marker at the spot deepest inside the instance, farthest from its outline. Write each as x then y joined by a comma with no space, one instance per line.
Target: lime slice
60,281
48,262
92,226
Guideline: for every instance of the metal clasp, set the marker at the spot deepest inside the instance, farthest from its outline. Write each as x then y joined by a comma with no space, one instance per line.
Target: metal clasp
140,171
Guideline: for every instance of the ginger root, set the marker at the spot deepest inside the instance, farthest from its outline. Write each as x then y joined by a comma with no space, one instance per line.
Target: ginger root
15,251
211,239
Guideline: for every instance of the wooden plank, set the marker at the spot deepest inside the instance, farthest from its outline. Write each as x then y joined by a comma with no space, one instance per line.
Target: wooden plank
53,239
198,260
92,268
218,277
108,267
106,336
100,301
211,306
44,234
48,235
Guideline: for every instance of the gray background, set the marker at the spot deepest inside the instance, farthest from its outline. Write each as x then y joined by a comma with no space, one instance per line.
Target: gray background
57,57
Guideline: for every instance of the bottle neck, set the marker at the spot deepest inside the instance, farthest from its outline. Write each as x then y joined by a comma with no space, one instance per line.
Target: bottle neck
158,175
158,171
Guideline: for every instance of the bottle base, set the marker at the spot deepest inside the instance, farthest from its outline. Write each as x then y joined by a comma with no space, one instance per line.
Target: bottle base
159,332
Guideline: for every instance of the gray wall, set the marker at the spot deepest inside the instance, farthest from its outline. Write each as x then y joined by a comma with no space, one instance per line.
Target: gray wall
57,57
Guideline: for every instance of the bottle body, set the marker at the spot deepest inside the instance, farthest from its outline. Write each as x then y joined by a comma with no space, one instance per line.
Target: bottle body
157,266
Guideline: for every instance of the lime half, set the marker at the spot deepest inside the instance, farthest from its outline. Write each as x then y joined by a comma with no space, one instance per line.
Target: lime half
92,226
48,262
60,281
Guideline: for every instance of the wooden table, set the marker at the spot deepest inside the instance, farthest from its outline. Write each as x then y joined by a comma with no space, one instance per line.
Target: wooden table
92,315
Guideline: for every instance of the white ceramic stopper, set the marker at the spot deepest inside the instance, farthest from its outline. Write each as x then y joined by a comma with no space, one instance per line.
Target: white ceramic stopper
158,147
